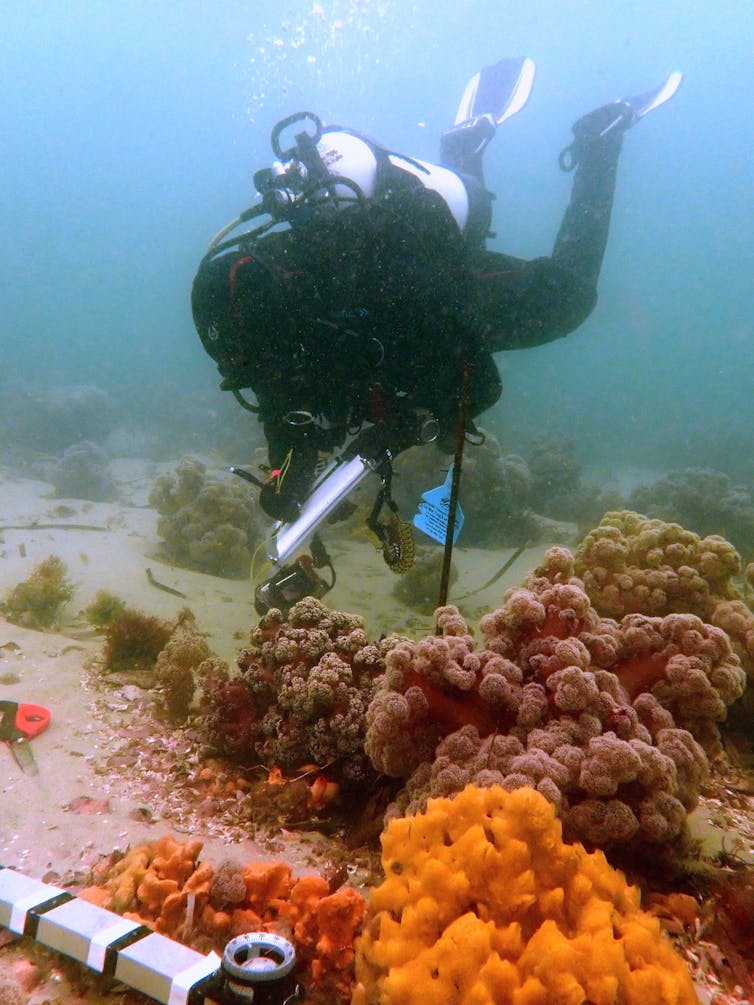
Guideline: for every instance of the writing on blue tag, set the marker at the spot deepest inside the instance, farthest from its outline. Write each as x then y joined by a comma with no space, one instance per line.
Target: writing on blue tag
434,511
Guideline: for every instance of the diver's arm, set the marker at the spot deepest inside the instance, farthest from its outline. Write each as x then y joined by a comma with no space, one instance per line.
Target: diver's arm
293,457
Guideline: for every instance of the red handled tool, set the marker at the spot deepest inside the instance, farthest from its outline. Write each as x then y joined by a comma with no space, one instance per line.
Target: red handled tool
20,723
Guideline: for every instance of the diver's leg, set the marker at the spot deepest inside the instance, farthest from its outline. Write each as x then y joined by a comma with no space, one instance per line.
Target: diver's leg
462,148
493,95
582,238
594,152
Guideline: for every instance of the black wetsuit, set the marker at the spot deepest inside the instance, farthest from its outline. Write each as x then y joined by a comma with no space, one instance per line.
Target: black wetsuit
523,303
363,314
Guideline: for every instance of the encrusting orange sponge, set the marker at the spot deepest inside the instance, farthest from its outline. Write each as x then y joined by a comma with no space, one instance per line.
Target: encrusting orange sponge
483,904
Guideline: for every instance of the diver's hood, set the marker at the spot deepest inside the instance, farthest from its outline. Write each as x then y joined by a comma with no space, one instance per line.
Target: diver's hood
244,307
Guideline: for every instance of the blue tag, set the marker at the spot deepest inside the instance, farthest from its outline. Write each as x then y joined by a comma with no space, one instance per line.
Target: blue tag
434,510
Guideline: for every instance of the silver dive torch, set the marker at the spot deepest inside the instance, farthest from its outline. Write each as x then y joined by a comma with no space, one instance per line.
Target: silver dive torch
331,487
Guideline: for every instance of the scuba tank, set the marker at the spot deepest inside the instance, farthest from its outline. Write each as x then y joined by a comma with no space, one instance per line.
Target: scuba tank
354,157
340,165
273,290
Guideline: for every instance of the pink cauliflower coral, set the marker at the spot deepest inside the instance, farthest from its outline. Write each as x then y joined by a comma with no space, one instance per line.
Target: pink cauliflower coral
690,667
432,688
631,564
305,685
543,703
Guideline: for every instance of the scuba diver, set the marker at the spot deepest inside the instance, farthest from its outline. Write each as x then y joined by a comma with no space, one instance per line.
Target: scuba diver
362,308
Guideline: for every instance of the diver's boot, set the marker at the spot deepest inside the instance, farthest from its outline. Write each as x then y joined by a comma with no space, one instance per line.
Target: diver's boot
597,133
461,147
492,95
601,130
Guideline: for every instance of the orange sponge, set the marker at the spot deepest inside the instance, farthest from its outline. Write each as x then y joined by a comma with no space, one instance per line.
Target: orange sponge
483,904
163,885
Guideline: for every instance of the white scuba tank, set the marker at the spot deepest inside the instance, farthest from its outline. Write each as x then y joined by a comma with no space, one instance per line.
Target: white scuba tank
349,156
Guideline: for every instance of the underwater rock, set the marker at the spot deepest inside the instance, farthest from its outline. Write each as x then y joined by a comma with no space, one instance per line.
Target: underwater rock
506,500
495,491
557,488
50,419
554,468
495,497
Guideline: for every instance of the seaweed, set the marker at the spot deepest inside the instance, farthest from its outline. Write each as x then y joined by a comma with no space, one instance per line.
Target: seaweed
104,609
37,601
134,640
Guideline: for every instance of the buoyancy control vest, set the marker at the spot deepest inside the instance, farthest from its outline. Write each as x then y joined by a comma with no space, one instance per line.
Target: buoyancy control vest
357,280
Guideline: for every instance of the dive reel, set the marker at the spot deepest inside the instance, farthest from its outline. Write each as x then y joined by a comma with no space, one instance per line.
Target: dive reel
258,967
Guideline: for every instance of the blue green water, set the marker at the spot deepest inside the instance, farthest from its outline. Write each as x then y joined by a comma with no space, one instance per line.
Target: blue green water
131,130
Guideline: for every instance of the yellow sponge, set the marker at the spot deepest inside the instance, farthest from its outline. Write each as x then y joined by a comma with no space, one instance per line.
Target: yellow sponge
483,904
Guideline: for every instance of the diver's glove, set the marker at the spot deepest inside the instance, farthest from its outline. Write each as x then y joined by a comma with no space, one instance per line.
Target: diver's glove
289,480
280,504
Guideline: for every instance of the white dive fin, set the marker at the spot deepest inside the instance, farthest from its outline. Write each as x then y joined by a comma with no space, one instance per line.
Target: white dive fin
497,92
649,100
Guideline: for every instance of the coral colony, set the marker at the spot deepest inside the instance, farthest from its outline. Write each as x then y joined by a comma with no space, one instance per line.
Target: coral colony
206,522
574,705
575,732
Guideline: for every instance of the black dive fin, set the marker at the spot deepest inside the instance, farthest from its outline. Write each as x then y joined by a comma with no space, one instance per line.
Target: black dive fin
497,92
626,112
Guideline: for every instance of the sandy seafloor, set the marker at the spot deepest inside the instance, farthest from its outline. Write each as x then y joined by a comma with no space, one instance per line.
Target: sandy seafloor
41,832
